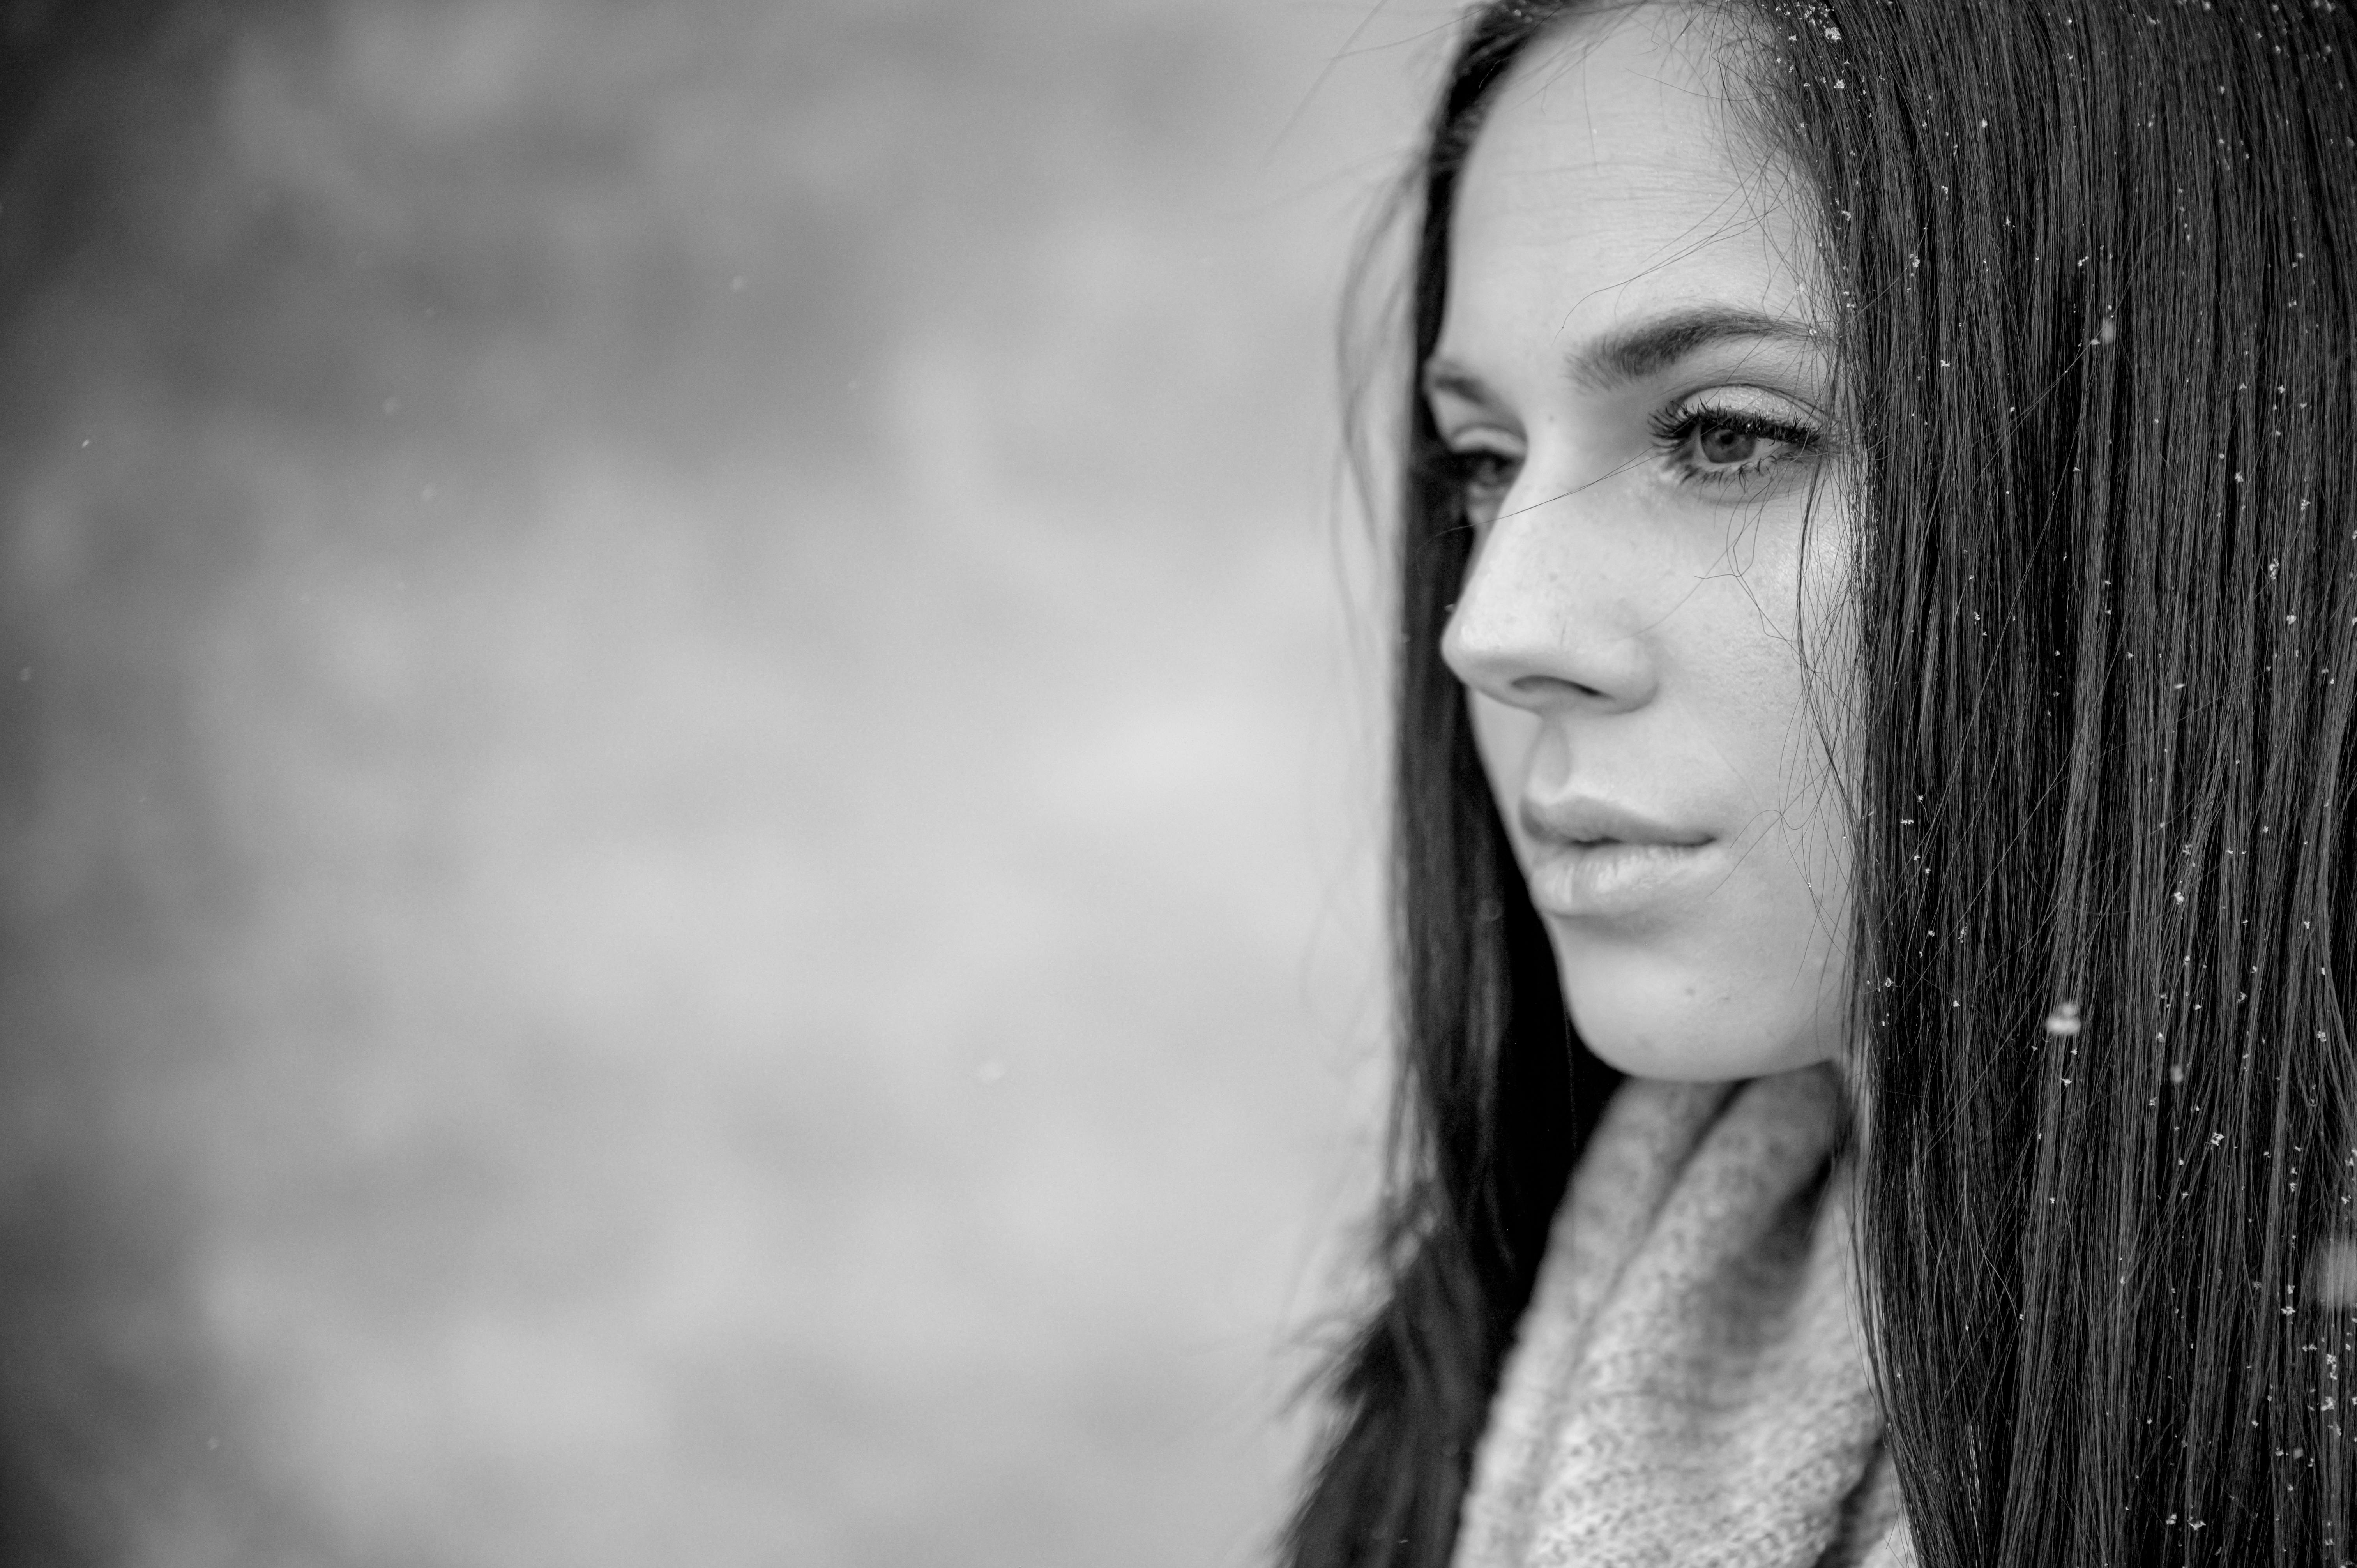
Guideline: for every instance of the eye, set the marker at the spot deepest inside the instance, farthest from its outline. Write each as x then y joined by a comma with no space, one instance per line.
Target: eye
1724,445
1730,446
1481,476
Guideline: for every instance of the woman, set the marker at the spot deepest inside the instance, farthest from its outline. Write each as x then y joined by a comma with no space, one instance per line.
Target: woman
1874,774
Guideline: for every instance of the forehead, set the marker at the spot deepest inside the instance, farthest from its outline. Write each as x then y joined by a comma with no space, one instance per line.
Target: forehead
1614,176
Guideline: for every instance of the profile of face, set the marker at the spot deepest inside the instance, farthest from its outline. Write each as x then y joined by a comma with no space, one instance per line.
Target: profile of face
1633,384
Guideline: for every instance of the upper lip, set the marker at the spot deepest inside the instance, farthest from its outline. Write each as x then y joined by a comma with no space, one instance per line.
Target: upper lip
1584,820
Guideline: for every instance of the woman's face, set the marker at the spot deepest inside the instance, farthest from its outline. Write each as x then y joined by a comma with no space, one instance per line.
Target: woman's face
1632,380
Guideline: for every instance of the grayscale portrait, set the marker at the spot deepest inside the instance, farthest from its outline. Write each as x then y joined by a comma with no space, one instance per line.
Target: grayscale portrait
1177,782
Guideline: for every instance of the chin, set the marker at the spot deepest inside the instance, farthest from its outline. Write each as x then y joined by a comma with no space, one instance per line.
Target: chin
1652,1017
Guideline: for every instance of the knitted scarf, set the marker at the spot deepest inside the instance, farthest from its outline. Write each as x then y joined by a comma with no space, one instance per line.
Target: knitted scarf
1688,1389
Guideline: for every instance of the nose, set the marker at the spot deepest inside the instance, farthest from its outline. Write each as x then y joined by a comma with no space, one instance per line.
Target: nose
1553,612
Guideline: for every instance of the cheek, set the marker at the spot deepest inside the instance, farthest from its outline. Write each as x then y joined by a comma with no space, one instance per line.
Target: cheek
1771,681
1753,979
1757,980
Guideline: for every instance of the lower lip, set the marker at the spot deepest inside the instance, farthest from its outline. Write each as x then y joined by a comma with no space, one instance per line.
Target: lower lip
1596,881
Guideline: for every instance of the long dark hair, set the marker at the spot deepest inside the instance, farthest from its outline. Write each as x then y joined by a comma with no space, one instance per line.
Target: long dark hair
2093,272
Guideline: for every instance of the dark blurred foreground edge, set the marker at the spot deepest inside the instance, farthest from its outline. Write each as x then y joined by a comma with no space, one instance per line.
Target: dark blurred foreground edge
71,75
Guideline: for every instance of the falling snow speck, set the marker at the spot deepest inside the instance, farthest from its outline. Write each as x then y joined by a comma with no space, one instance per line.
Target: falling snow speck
2335,1282
2063,1022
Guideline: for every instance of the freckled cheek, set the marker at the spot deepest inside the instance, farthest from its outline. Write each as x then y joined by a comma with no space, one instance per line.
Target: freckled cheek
1783,909
1776,722
1753,702
1784,923
1795,837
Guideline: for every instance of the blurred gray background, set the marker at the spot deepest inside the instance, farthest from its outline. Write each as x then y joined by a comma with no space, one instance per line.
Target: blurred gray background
689,731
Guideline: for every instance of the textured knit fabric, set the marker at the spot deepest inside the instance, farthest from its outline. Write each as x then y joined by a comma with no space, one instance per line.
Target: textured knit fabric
1688,1389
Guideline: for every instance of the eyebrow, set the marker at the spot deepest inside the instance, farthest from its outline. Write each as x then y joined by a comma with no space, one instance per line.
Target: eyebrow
1644,348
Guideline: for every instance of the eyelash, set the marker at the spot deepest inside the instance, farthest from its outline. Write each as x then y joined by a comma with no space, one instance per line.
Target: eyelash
1480,469
1676,427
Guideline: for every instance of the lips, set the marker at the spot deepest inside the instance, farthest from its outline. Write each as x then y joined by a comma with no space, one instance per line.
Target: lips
1594,859
1585,820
